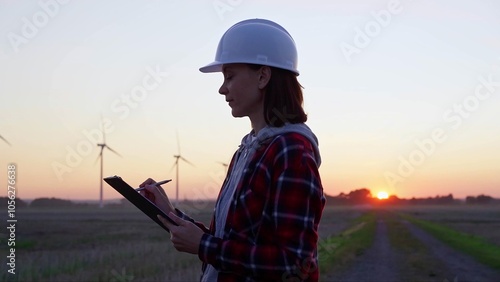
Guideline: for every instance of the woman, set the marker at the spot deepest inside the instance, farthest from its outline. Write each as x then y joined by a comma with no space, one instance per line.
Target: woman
265,224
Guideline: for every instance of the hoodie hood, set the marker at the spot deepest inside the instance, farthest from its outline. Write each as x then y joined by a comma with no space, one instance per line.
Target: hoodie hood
252,142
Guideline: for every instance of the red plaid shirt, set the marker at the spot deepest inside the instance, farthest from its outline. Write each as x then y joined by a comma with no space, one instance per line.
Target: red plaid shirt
271,231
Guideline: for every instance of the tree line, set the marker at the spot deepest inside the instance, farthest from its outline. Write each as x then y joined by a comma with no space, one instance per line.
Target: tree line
363,196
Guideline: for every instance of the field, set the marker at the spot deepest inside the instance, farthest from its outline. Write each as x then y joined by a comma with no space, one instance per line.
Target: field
481,221
97,245
112,244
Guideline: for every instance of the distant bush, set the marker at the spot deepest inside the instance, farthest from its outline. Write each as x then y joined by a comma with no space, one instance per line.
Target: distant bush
356,197
50,203
437,200
19,203
481,199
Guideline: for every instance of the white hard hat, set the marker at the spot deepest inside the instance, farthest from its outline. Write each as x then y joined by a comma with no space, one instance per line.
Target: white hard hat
256,41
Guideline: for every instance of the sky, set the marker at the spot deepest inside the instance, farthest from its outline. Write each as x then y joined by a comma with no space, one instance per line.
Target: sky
402,95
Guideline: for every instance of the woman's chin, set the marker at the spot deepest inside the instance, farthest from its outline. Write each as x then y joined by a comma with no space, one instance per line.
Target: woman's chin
236,114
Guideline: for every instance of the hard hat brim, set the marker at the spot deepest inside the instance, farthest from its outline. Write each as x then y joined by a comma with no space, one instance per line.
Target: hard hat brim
212,67
217,67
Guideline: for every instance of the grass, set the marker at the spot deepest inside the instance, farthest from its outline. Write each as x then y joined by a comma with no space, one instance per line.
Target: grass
474,246
338,250
481,221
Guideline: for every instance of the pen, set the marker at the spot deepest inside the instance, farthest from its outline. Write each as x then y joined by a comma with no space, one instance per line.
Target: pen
156,183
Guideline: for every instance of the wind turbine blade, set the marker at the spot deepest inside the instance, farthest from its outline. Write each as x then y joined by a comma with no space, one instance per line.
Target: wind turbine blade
98,157
175,163
182,158
1,137
109,148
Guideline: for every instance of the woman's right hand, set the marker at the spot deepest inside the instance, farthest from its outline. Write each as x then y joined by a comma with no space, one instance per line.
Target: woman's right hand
157,195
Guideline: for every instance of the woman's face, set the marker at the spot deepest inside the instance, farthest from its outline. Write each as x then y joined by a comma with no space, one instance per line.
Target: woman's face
242,89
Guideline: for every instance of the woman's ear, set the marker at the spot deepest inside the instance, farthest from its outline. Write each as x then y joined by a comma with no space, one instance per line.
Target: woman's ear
264,76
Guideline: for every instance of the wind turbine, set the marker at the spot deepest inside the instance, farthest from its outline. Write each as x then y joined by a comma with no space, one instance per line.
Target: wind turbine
176,164
5,140
101,156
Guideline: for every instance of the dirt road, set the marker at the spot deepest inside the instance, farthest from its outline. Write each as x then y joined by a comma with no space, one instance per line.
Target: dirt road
430,261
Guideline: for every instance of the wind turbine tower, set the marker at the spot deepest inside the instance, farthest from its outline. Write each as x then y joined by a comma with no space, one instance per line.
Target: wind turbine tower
103,145
176,164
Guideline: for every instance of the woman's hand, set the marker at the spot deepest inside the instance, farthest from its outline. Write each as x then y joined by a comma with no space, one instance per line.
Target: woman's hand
157,195
185,236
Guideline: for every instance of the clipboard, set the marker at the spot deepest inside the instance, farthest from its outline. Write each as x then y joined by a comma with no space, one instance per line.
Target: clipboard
142,203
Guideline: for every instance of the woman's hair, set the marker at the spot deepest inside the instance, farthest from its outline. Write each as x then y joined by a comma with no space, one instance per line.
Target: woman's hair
283,98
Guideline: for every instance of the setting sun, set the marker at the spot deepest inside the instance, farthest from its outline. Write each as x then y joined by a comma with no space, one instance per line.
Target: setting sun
382,195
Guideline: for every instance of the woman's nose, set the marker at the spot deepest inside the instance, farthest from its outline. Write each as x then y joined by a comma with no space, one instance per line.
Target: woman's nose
223,89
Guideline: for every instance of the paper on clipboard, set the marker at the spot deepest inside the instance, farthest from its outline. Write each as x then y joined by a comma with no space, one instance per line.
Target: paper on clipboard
142,203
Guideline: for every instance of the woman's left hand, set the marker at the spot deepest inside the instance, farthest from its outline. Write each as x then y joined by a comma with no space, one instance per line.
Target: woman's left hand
186,236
